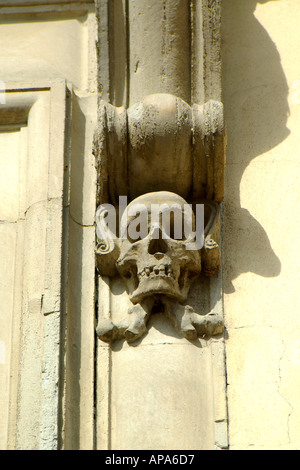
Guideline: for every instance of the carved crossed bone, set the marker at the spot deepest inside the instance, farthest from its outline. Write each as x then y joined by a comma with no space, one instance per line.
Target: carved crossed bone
189,324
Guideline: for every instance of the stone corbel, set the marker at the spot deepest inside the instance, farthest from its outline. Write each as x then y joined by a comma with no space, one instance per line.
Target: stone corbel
162,143
160,150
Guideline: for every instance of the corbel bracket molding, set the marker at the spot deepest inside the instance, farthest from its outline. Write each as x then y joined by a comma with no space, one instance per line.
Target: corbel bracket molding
161,143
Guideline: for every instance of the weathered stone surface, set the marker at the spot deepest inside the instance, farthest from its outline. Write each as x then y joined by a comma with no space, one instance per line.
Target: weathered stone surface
35,128
161,131
161,143
157,265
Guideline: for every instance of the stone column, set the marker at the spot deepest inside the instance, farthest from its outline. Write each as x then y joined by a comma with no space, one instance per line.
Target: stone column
158,67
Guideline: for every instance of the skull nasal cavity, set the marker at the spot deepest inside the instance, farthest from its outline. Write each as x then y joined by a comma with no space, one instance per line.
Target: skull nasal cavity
157,246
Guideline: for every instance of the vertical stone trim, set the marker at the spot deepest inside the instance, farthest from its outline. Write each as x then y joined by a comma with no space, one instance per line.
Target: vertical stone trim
211,11
35,349
103,371
103,49
160,132
197,53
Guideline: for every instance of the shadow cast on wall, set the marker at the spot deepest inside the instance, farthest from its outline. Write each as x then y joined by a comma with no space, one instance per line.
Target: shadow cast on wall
256,112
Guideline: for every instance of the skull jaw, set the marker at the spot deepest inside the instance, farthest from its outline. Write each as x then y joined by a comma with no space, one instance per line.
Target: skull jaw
157,286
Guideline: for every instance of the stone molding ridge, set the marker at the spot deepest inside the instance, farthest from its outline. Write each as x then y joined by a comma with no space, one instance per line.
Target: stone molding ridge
16,3
154,136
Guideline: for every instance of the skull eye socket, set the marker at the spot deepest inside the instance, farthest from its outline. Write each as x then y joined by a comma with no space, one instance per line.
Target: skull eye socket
136,231
137,223
171,223
173,226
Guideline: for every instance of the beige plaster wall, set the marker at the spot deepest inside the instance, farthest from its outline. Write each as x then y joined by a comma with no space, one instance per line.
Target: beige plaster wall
261,77
41,42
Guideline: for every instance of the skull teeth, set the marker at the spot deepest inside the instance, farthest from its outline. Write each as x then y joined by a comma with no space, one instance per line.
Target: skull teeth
156,271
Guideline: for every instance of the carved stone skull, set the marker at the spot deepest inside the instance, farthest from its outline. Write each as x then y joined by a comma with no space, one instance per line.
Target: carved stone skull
156,262
157,259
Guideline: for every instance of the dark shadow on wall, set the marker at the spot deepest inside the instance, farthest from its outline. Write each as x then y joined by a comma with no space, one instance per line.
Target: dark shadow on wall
255,94
74,319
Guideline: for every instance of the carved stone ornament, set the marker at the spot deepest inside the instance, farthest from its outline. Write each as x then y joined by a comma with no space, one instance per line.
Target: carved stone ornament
157,268
161,143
